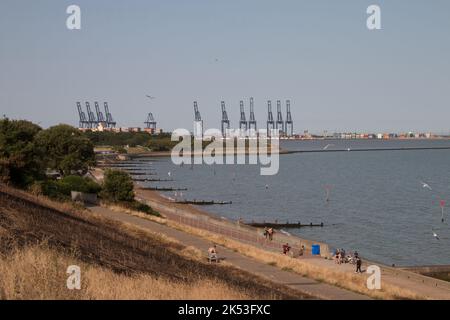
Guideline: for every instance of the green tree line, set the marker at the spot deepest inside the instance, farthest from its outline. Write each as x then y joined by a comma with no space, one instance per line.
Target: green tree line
27,151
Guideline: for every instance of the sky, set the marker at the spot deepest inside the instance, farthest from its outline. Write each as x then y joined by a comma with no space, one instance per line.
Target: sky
339,75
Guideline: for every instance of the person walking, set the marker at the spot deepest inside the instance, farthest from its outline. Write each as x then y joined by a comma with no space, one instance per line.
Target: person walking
271,232
358,265
286,248
266,232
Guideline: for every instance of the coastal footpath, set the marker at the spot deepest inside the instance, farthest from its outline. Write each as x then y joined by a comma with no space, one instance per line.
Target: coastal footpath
400,282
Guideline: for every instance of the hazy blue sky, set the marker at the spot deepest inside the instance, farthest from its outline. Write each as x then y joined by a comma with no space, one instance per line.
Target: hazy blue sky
337,73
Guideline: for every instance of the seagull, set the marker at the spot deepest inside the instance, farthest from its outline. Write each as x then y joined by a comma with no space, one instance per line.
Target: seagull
435,235
327,146
169,173
150,97
327,190
425,185
348,149
267,186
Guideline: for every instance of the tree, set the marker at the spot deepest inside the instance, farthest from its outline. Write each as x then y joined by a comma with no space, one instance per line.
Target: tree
66,148
117,186
21,162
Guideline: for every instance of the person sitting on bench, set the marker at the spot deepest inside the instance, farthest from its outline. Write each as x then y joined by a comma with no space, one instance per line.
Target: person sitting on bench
212,254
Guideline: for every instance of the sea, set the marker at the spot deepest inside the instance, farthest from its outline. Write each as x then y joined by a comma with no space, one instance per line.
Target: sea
390,205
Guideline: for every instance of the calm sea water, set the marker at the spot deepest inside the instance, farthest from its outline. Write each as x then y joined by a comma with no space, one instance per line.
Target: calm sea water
377,205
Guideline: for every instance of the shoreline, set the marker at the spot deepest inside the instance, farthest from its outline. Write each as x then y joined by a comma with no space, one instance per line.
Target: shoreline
192,210
423,285
420,286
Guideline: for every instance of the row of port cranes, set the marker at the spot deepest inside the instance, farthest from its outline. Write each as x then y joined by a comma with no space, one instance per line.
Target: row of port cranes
91,121
285,128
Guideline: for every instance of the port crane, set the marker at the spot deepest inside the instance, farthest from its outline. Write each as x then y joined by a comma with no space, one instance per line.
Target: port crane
84,123
91,117
270,122
279,125
110,123
252,121
243,125
289,124
150,123
100,116
225,123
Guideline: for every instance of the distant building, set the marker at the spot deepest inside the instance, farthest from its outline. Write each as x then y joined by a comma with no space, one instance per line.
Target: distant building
153,130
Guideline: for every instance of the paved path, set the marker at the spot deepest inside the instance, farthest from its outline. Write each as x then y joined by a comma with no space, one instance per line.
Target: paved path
426,287
290,279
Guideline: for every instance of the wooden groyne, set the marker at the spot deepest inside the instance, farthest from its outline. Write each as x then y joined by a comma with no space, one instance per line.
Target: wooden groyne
151,180
203,202
111,165
163,189
141,173
277,225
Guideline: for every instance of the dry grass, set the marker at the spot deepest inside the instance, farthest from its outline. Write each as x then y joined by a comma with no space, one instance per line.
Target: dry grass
38,272
116,255
346,280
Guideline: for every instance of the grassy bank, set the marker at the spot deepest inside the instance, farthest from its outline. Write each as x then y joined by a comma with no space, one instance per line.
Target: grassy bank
40,238
37,272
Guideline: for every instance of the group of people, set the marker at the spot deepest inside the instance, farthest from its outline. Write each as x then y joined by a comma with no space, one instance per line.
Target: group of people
268,233
287,249
341,256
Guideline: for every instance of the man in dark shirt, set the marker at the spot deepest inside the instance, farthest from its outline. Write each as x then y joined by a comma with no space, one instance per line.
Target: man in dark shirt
358,264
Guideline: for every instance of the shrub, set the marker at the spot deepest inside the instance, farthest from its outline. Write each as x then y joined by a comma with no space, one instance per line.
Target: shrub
66,148
21,162
142,207
80,184
50,188
119,149
117,186
61,189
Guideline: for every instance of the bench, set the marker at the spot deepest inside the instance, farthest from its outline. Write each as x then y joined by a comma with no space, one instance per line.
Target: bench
213,257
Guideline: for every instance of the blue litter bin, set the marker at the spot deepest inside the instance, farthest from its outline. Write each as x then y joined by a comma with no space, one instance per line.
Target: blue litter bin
315,250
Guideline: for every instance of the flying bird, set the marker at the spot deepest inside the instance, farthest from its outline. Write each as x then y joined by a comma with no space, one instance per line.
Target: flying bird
150,97
435,235
169,173
327,146
327,190
425,185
